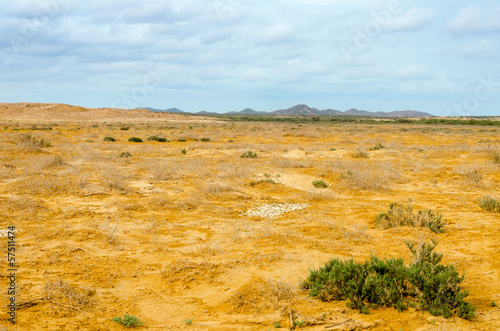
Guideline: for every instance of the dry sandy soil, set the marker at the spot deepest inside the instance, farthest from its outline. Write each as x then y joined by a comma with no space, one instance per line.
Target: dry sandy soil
168,237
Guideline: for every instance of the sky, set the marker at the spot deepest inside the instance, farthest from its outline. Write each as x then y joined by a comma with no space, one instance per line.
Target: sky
441,57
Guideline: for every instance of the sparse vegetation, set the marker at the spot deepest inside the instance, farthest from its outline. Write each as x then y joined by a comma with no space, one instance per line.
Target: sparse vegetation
135,139
125,128
183,151
181,140
205,139
489,204
128,321
125,154
390,283
249,155
403,215
109,139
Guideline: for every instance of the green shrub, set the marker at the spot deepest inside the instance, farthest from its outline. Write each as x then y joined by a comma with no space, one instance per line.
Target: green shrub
319,184
359,154
135,140
109,139
390,283
125,128
125,154
205,139
128,321
249,155
182,140
489,204
184,151
41,128
158,138
377,147
403,215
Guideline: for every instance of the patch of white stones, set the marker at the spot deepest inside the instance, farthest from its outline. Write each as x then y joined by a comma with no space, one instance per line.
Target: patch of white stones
275,209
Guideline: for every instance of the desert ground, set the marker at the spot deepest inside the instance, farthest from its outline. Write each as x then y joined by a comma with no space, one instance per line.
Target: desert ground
188,235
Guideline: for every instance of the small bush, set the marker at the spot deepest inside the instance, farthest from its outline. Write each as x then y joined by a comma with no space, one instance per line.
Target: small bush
41,128
184,151
359,154
205,139
319,184
135,140
260,181
125,128
182,140
391,283
489,204
377,147
128,321
158,138
249,155
402,215
109,139
125,154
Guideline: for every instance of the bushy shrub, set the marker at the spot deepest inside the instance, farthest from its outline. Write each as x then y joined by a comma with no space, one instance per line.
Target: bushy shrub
489,204
182,140
109,139
135,140
403,215
125,128
319,184
205,139
390,283
249,155
158,138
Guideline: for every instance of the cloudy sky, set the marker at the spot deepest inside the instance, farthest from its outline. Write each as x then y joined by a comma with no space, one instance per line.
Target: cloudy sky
441,57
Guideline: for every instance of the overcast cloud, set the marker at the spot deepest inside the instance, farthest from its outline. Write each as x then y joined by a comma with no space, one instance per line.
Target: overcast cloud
225,55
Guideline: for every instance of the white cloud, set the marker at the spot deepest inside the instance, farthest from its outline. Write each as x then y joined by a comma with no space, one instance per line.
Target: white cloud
480,49
414,19
411,71
475,20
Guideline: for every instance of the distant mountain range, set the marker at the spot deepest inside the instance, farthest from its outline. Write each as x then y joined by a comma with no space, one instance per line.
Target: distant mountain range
306,110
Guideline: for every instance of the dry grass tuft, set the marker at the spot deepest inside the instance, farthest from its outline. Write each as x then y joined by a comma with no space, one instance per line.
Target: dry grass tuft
262,295
68,296
30,142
